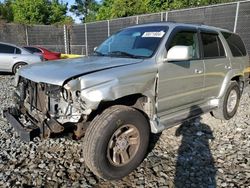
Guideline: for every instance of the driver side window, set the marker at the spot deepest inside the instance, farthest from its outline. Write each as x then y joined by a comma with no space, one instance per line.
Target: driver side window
187,38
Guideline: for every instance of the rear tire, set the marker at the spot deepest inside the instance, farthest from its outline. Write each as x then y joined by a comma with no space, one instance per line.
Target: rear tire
116,142
229,103
17,66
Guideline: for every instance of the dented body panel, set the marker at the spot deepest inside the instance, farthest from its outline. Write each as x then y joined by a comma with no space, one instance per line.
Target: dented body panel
60,71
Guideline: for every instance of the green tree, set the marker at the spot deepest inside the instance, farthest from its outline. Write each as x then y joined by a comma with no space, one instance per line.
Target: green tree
178,4
39,11
121,8
31,12
85,9
57,11
6,12
104,11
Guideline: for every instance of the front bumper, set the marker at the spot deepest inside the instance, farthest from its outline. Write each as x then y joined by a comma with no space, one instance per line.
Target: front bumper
26,133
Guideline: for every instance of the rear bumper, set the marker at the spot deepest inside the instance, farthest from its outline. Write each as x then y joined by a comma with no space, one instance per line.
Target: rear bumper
26,134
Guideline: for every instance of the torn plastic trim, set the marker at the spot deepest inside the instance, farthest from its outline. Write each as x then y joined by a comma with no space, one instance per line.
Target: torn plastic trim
26,134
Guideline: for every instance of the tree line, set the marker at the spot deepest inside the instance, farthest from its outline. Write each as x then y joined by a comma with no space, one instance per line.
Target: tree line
56,12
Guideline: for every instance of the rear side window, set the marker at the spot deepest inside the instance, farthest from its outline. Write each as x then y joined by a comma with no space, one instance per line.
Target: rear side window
33,50
7,49
235,44
212,46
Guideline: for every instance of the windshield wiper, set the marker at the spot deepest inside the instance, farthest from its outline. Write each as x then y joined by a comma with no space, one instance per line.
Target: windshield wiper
99,53
123,54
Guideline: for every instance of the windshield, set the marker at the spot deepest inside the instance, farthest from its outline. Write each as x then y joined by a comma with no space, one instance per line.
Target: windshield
140,42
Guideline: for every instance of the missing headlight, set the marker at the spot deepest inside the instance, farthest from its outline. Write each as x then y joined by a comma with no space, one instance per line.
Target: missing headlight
53,91
66,95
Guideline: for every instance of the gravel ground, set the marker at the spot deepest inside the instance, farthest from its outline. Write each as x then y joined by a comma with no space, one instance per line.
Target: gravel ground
204,152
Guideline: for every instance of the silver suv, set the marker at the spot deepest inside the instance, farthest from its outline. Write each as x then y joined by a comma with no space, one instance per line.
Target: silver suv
13,57
141,80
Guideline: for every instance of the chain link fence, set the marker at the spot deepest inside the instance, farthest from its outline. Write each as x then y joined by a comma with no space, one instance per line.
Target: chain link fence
83,38
12,33
48,36
243,23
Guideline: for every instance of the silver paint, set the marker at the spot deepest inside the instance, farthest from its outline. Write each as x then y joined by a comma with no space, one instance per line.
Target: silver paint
173,89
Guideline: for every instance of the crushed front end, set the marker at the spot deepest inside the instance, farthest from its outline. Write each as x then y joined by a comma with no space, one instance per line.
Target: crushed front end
42,109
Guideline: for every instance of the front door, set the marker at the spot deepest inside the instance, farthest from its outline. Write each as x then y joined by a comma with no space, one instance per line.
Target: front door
181,83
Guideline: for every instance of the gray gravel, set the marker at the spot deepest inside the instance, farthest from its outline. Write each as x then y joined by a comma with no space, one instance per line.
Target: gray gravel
204,152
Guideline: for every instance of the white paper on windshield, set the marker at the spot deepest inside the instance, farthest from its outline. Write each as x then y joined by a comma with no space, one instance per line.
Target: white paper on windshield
158,34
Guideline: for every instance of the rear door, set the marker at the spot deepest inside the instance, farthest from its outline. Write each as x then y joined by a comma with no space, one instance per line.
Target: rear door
217,64
181,82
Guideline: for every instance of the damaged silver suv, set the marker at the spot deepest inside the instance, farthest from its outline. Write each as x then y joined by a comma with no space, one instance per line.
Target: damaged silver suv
141,80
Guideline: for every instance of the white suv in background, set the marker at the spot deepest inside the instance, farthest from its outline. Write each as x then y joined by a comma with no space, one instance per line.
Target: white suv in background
13,57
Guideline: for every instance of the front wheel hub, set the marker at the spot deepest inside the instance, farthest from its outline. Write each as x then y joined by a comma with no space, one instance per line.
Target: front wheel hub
123,145
232,101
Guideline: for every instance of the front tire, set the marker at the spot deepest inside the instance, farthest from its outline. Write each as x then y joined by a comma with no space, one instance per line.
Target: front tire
229,103
116,142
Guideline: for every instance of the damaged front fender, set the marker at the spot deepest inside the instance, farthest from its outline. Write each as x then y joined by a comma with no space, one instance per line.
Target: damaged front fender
94,89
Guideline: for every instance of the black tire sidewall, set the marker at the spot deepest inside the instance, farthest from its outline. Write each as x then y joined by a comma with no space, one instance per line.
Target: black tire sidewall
233,86
16,65
123,117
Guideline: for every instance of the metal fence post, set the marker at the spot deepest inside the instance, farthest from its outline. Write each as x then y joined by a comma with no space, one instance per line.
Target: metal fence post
66,47
27,36
137,19
236,17
108,28
86,40
166,16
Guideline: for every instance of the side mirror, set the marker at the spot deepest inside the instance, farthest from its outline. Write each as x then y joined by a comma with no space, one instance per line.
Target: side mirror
179,53
95,48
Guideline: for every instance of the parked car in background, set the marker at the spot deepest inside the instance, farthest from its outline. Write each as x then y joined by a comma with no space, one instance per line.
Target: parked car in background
13,57
47,54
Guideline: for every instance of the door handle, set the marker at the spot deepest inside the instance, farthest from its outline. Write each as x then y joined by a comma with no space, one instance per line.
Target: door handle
228,67
197,71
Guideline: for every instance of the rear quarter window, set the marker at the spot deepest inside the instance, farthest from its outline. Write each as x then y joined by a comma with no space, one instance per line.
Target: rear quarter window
18,51
235,44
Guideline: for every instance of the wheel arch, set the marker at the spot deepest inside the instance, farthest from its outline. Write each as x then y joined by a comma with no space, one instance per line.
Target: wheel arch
224,111
233,75
240,80
143,103
16,63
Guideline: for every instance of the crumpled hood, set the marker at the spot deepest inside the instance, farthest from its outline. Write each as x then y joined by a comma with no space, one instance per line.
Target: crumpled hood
57,72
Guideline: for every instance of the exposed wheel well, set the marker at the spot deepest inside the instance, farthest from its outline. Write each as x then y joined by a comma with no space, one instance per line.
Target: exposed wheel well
18,63
138,101
239,80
